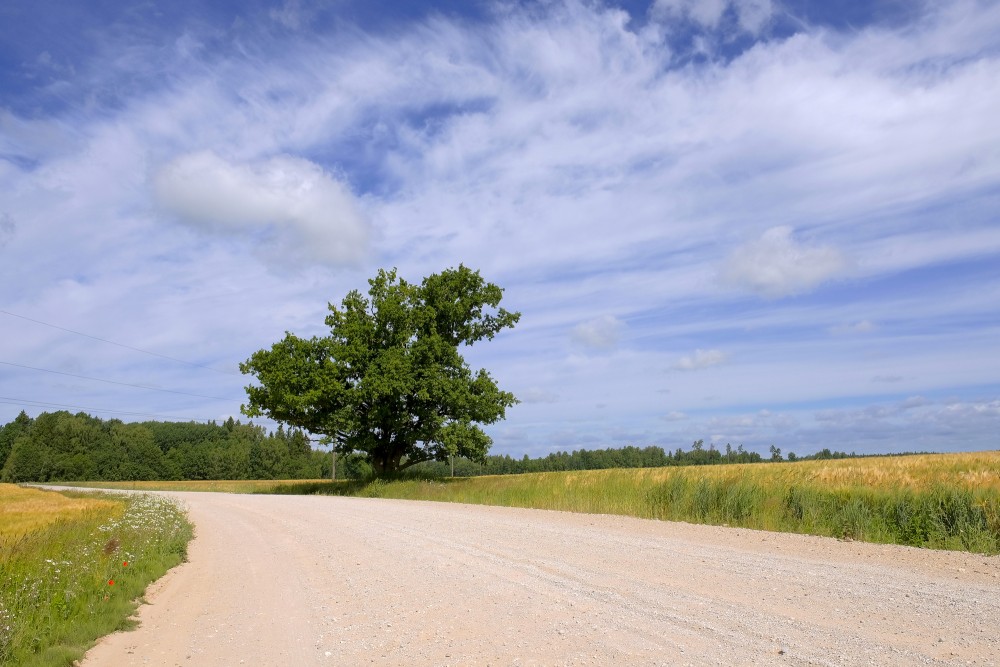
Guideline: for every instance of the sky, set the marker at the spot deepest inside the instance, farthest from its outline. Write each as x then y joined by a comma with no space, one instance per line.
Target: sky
748,222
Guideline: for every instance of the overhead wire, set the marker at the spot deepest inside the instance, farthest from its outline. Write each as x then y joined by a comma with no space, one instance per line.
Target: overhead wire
123,384
7,400
111,342
33,403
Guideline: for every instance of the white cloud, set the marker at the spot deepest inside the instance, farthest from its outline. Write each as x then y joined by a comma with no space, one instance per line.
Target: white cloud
600,333
675,416
701,359
754,15
707,13
569,159
751,15
308,213
775,265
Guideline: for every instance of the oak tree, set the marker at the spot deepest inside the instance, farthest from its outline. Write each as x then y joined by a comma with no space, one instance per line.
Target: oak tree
389,380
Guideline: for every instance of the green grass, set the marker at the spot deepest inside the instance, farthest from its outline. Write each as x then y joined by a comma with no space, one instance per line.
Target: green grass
947,501
940,501
71,579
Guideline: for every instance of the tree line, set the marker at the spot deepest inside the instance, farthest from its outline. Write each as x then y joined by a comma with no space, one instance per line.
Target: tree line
60,446
629,456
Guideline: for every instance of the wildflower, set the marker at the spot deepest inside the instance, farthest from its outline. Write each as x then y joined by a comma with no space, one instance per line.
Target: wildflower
111,582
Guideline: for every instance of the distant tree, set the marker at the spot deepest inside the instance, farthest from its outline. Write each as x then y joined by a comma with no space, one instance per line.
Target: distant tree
389,381
26,462
10,432
775,453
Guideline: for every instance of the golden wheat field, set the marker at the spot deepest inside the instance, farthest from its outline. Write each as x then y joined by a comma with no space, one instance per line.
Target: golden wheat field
23,510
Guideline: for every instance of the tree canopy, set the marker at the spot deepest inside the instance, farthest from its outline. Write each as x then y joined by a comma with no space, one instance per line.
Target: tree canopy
59,446
389,381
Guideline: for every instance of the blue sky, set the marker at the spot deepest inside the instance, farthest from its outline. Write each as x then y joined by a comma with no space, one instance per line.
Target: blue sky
752,222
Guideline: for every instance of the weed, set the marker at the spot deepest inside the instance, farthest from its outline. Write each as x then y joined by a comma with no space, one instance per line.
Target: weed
65,582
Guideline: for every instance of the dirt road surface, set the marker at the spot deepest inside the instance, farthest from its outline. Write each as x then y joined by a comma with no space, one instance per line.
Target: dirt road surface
284,580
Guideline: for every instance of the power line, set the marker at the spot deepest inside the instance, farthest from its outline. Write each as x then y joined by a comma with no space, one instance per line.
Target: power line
44,404
124,384
111,342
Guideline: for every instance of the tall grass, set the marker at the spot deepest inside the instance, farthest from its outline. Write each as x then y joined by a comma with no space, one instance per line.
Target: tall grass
72,569
941,501
947,501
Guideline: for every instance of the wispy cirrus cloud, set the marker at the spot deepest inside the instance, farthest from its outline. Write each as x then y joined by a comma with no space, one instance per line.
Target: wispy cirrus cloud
700,359
748,15
577,156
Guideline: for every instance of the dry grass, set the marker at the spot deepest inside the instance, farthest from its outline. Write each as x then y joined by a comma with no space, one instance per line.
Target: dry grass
973,471
23,510
976,470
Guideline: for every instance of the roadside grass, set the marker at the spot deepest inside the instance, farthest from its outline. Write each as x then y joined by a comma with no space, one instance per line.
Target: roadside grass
939,501
73,567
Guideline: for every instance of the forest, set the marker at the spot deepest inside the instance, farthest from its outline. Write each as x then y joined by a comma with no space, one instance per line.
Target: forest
60,446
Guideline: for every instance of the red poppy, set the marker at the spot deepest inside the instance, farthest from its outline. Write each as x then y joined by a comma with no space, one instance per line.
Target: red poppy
111,582
124,563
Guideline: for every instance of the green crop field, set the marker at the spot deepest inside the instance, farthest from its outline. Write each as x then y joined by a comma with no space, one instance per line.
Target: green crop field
73,568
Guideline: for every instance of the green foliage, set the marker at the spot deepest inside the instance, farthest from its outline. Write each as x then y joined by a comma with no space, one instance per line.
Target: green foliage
59,446
629,456
55,595
9,433
389,381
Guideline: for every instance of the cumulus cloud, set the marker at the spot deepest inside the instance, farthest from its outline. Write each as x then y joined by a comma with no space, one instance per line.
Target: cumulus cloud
700,359
776,265
599,333
303,210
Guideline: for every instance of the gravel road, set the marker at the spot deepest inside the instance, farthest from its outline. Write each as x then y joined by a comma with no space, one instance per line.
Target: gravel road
286,580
